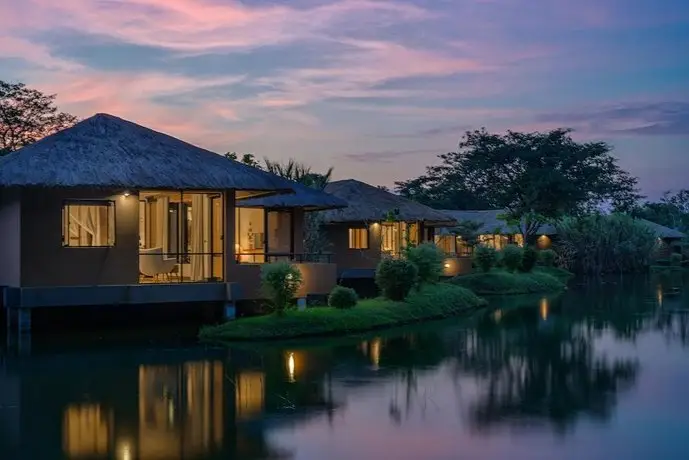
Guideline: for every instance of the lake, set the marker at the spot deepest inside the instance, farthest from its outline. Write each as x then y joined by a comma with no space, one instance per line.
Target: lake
600,372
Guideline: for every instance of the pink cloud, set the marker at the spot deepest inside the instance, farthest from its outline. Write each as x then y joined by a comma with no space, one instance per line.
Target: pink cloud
200,25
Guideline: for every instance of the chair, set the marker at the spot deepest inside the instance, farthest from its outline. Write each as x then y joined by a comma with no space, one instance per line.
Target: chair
153,263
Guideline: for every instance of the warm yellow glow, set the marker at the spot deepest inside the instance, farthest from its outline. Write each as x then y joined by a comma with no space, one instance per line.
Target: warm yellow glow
659,294
124,450
85,430
249,394
447,265
375,352
544,308
125,194
290,367
497,315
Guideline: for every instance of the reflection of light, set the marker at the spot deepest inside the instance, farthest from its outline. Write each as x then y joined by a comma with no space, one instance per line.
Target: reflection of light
290,367
171,411
660,295
125,194
375,352
544,308
447,264
125,451
497,315
289,277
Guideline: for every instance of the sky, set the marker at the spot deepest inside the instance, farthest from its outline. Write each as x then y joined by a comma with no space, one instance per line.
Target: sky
375,88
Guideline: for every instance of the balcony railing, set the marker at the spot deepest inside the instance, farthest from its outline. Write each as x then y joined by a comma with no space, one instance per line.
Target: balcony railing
254,258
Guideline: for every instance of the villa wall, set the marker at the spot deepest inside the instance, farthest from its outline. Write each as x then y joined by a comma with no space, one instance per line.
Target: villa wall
46,262
10,240
345,258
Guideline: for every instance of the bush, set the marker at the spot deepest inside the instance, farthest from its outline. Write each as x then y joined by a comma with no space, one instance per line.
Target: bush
512,257
485,257
529,259
598,244
500,282
280,282
547,257
428,259
342,297
675,259
396,277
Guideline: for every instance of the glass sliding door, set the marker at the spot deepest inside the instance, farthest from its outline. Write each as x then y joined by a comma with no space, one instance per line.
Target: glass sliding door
280,231
396,236
181,239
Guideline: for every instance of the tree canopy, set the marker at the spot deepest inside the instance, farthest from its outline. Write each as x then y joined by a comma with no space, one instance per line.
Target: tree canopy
672,210
27,115
539,175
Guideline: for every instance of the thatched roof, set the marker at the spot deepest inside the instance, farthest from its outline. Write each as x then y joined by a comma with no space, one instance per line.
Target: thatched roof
106,151
661,231
367,203
491,223
304,197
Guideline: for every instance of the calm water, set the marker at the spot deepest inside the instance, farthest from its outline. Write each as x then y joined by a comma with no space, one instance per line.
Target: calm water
601,372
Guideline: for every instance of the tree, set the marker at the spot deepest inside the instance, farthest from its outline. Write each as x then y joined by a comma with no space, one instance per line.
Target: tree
299,172
541,176
672,210
440,192
247,158
27,115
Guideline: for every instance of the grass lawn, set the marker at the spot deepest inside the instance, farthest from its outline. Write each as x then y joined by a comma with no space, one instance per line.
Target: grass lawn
432,302
501,282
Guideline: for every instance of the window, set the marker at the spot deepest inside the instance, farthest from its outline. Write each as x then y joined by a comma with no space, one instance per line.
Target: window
446,243
88,223
358,238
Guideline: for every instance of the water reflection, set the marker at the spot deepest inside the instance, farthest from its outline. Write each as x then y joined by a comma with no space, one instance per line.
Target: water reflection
541,364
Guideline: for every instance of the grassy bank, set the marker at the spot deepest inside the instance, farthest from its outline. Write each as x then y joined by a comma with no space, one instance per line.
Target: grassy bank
433,302
501,282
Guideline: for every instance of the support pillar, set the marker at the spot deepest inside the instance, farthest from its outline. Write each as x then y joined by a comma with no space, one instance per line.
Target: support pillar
229,311
24,320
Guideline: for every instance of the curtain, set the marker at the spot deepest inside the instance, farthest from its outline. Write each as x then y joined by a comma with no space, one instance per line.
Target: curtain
200,238
162,211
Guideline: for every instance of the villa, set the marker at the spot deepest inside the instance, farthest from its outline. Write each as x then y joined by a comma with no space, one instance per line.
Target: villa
377,224
494,232
108,212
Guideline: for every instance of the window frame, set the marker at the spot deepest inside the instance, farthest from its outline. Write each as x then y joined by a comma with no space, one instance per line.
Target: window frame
367,238
107,203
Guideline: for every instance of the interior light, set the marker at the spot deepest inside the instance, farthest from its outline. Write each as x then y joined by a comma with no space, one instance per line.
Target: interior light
126,193
447,264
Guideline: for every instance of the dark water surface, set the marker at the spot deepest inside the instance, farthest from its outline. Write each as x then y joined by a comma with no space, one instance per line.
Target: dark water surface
601,372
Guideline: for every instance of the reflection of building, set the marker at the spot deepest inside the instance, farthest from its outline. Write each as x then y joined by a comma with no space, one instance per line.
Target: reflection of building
180,415
87,431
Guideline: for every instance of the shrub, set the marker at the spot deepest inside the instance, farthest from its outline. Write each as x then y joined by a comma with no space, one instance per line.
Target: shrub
512,257
499,282
547,257
342,297
614,243
485,257
675,259
280,282
529,259
428,259
396,277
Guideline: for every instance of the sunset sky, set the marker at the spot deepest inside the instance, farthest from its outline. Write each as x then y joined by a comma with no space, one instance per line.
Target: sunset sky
375,88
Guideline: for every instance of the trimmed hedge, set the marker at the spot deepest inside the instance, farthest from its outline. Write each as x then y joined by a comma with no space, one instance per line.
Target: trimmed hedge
500,282
431,302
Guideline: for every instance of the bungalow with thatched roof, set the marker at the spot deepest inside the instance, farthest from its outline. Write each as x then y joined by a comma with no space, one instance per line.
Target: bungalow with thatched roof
493,231
108,211
376,224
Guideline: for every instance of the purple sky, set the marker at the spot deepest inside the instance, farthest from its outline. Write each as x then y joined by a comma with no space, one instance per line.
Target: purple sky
375,88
